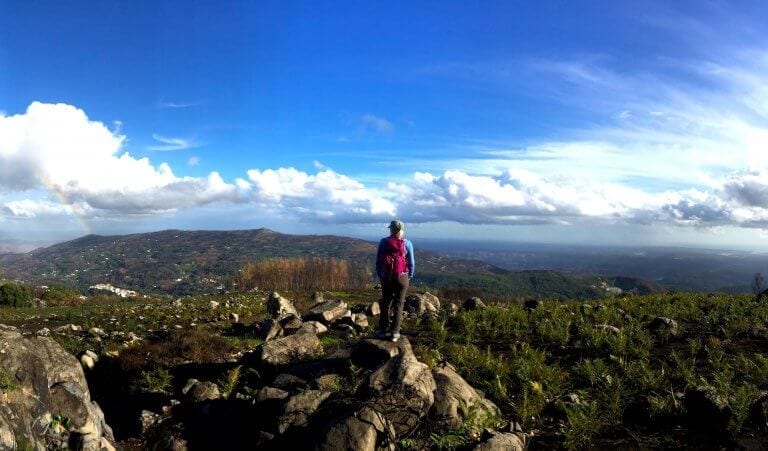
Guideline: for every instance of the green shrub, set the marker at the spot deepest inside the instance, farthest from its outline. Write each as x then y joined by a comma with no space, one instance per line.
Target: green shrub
15,295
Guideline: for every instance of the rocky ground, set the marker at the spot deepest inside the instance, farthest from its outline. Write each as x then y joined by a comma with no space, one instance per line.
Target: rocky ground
261,370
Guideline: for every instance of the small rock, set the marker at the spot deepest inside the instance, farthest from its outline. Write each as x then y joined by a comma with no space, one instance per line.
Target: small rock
97,332
214,304
661,323
278,306
234,317
288,381
329,311
270,393
147,419
608,328
290,324
203,391
44,332
473,303
533,304
374,309
87,361
328,382
271,329
314,327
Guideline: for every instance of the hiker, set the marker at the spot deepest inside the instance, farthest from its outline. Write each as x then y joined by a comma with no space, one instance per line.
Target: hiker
395,265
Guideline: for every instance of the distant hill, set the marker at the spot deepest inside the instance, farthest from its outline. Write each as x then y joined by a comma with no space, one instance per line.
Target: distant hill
191,262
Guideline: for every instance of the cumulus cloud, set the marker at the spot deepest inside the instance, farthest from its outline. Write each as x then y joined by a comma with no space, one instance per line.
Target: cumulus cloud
56,147
325,196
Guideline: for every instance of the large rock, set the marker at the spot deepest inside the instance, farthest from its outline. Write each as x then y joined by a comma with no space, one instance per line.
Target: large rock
419,304
278,306
271,329
501,441
46,381
373,353
328,311
299,408
283,351
402,390
366,430
457,404
707,409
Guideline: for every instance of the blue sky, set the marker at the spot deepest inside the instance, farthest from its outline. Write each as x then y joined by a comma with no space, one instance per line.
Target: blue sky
544,121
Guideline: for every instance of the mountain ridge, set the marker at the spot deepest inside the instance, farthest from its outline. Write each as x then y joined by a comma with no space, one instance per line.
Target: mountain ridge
181,262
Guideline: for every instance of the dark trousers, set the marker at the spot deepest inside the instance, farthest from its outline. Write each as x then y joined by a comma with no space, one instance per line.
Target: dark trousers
393,298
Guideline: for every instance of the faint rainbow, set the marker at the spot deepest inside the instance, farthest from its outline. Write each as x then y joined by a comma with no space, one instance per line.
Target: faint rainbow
69,207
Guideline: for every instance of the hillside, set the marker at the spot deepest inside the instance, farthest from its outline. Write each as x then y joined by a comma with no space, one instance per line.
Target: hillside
194,262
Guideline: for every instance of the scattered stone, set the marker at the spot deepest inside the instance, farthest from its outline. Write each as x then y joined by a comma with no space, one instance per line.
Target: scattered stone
454,398
706,409
317,297
373,353
418,304
176,303
271,329
366,430
44,332
213,304
533,304
328,311
500,441
202,391
97,332
290,324
278,306
67,328
374,309
270,393
664,324
473,303
299,409
314,327
328,382
288,381
234,317
283,351
402,390
608,328
147,419
453,308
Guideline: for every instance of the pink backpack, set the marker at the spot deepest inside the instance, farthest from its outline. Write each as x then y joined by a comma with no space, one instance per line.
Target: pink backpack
392,260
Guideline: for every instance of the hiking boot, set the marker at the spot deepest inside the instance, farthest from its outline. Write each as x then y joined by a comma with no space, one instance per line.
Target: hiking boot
394,337
381,334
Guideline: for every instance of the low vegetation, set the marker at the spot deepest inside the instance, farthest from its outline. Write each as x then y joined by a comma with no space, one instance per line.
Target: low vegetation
608,372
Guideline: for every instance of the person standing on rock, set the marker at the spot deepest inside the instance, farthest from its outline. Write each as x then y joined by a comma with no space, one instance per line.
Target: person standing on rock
395,266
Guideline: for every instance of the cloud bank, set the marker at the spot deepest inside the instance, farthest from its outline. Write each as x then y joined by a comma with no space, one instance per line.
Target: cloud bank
54,160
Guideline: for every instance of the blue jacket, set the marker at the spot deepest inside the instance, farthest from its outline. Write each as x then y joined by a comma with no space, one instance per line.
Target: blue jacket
409,257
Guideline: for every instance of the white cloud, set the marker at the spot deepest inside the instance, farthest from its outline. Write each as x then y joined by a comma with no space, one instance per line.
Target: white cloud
325,196
193,161
55,147
171,144
31,209
376,124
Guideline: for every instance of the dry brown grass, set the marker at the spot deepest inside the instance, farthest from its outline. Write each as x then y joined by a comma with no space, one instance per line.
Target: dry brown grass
302,274
197,346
